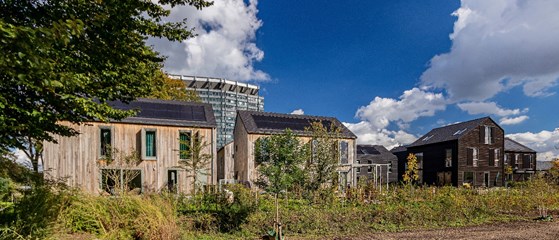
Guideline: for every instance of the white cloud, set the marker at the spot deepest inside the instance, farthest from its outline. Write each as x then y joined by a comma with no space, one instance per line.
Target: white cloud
497,45
546,143
411,105
513,120
366,134
225,45
474,108
298,112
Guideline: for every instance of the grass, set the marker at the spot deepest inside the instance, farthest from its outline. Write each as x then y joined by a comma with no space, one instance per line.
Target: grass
214,215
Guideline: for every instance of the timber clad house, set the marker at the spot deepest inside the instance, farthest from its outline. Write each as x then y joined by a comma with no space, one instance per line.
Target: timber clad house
521,159
157,134
469,152
375,163
252,125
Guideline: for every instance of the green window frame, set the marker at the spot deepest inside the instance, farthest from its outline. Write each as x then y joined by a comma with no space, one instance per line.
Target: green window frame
184,144
149,144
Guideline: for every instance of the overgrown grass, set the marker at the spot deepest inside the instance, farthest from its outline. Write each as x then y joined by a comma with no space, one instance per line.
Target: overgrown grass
214,215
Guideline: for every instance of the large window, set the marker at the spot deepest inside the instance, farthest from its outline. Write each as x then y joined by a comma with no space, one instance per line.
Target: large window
149,144
115,181
497,156
487,134
469,178
448,158
343,152
105,141
184,145
472,156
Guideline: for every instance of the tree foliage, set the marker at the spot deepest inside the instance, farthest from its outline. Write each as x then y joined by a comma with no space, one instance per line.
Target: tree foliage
323,161
167,88
62,60
280,160
196,162
412,172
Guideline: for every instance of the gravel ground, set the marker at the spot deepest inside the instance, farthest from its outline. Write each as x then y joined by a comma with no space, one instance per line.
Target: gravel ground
516,230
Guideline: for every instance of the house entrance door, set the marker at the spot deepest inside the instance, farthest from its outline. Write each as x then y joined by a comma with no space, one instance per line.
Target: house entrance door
486,179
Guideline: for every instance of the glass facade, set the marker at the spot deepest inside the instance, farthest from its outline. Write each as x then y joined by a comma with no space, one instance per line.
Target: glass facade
226,97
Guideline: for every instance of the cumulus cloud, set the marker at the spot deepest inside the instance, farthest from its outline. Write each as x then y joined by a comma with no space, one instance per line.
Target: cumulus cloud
474,108
513,120
497,45
298,112
546,143
367,134
225,45
411,105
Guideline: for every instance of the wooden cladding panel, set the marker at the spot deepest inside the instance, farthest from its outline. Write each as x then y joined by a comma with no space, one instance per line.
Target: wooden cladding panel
75,159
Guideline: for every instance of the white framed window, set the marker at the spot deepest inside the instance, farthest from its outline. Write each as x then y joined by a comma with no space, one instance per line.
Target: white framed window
149,144
475,157
358,169
497,156
516,160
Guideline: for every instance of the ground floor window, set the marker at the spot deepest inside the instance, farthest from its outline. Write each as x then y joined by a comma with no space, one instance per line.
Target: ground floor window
115,181
469,178
172,181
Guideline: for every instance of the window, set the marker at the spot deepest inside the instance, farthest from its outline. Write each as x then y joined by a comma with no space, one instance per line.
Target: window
370,169
184,145
114,181
261,150
472,157
497,157
358,169
105,141
516,160
468,178
172,180
487,134
527,161
390,167
419,157
448,158
149,144
506,162
343,152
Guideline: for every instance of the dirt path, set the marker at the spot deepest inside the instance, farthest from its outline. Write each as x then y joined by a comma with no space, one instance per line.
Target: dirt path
517,230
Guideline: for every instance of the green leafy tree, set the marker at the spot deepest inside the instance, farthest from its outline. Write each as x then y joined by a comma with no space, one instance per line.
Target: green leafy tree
280,159
411,174
196,161
167,88
62,60
323,159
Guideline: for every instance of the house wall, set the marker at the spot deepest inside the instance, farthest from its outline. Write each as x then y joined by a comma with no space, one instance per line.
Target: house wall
385,157
76,159
521,172
472,139
434,162
245,165
225,162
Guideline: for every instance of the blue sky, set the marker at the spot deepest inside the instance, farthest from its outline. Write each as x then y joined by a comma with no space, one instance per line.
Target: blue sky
391,70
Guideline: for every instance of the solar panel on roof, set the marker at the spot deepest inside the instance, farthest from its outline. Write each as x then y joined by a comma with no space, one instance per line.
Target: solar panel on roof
367,150
281,123
166,111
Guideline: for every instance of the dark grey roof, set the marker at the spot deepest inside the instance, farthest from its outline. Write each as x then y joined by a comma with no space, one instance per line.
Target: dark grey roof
543,165
448,133
514,146
399,149
271,123
374,154
168,113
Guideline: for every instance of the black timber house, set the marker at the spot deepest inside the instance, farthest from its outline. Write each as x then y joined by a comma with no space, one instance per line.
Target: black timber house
469,152
375,161
520,159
